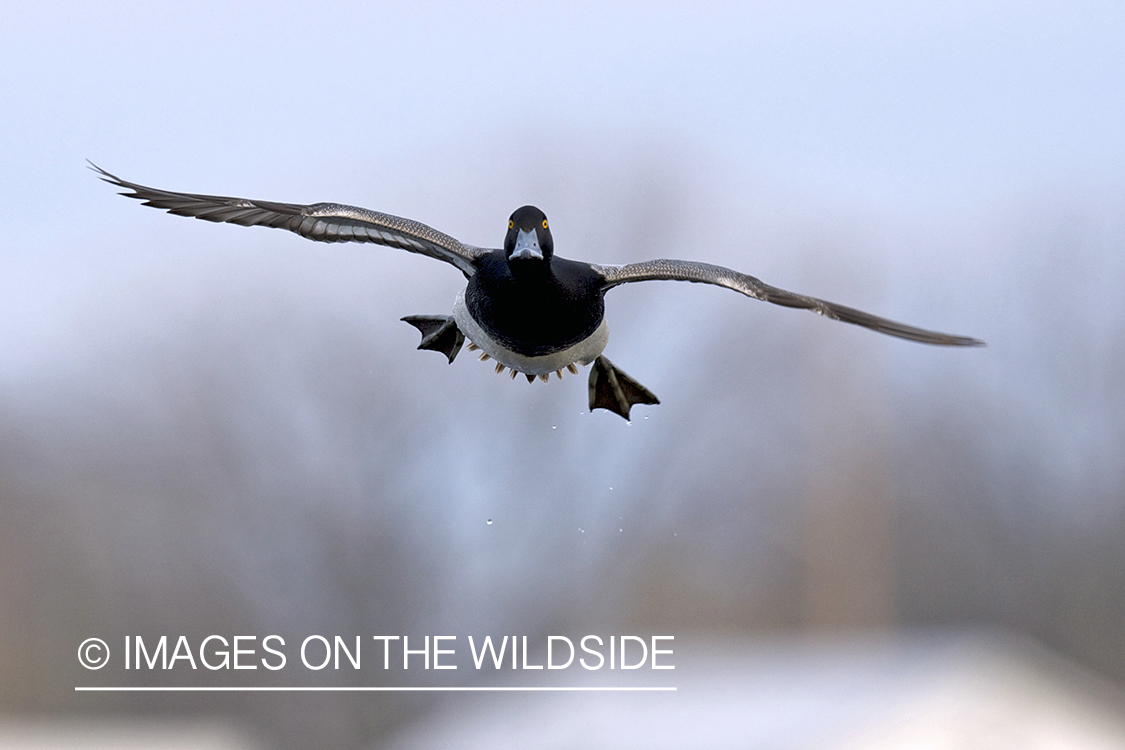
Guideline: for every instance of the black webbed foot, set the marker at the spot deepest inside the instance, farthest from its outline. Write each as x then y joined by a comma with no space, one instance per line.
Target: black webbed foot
439,333
611,388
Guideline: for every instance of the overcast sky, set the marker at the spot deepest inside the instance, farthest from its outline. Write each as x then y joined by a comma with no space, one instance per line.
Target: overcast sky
950,102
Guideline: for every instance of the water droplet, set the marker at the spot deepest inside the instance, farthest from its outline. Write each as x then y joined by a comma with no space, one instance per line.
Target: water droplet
581,530
646,416
554,427
489,522
621,530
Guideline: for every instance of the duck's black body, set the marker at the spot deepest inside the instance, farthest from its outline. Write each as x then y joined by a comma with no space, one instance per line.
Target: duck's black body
529,310
535,308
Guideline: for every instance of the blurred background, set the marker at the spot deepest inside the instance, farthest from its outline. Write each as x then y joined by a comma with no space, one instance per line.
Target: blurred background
215,430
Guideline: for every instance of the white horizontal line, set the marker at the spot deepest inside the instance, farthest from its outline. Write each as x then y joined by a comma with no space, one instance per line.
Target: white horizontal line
284,689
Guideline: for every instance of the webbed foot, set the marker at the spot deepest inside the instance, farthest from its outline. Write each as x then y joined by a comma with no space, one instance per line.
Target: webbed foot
612,389
439,333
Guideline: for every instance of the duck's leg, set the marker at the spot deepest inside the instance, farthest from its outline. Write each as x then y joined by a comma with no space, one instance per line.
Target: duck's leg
439,333
611,388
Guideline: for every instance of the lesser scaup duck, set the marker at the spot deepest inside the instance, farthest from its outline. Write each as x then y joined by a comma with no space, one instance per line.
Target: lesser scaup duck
523,306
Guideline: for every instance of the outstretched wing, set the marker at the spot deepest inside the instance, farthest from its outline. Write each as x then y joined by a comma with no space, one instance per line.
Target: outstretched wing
684,270
324,222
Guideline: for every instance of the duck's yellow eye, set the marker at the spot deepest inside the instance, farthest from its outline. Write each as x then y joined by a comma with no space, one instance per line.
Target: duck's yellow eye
511,224
544,223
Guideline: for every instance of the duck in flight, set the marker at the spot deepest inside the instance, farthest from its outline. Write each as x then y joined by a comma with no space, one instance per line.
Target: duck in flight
523,306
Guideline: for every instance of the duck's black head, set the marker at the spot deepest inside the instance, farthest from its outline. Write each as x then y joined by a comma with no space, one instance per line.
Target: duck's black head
529,238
